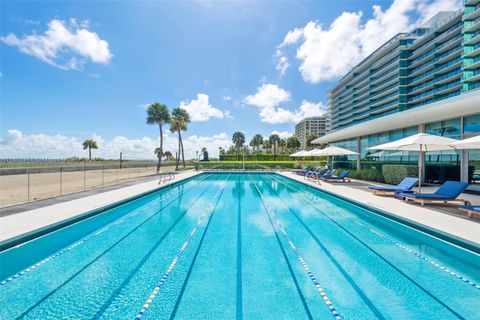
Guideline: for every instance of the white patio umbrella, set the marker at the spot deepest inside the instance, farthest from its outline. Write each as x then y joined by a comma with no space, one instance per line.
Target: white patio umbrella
470,143
299,154
334,151
421,142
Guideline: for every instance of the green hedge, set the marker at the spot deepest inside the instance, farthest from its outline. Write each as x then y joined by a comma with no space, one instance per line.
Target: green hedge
224,165
255,157
365,174
394,173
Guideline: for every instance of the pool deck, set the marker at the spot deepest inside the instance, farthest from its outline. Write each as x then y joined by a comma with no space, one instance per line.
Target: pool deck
440,217
446,219
16,224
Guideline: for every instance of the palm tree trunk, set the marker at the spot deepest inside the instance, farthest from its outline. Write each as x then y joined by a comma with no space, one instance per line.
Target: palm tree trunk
89,153
179,149
159,163
183,152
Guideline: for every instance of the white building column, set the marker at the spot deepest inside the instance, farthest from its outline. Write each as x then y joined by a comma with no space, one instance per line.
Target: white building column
463,158
359,156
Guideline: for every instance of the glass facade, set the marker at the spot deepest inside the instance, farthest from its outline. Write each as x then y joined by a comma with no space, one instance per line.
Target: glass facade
471,127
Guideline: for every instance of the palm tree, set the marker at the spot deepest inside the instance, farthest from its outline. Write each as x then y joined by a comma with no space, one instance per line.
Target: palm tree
293,143
274,139
256,142
178,123
238,140
282,143
157,113
168,155
267,146
90,144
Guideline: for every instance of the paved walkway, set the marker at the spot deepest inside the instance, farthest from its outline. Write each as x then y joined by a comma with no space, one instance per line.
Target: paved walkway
51,211
446,219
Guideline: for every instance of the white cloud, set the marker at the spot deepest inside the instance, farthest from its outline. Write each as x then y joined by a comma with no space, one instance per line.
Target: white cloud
201,109
268,96
268,99
326,53
282,62
65,45
282,134
226,98
19,145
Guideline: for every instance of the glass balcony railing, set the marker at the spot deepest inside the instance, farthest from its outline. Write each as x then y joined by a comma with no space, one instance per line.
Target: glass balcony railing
434,91
434,80
439,68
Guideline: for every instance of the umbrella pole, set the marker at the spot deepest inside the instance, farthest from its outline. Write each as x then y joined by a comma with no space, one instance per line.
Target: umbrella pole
420,170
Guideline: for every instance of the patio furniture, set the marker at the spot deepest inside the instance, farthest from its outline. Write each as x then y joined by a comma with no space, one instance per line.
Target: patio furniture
471,210
341,177
316,173
405,185
323,174
447,193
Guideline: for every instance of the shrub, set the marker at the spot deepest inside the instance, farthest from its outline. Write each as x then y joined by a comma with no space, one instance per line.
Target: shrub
366,174
394,173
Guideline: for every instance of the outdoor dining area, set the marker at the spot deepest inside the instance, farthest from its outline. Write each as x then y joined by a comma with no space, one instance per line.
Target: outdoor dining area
448,193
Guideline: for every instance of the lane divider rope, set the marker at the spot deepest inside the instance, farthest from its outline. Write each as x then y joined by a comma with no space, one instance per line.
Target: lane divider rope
170,268
304,264
401,246
82,241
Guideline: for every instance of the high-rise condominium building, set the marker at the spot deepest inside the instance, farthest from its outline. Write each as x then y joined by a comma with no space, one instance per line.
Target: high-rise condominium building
425,80
315,126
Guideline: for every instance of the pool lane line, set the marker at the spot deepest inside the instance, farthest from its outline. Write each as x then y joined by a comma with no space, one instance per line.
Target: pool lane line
302,261
239,300
210,209
82,241
336,263
90,263
140,264
379,255
415,253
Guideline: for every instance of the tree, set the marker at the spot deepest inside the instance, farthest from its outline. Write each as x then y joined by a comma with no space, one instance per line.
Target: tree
310,138
238,140
293,143
282,143
178,123
157,113
168,155
274,139
267,146
90,144
256,142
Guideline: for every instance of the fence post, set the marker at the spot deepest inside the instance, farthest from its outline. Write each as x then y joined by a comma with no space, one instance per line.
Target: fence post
61,169
28,181
85,175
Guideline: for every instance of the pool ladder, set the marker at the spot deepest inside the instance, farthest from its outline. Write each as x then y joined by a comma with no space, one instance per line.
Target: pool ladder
166,176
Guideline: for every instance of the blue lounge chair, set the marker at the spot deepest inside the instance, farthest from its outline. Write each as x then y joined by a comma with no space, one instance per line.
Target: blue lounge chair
322,174
405,185
471,210
341,177
448,192
312,173
302,171
309,172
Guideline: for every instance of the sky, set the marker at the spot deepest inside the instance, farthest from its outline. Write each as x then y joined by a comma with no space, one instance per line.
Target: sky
71,71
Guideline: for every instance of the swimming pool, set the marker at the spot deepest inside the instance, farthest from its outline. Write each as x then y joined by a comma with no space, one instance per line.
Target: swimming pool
238,246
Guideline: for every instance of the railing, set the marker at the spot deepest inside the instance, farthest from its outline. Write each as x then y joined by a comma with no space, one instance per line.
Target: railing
31,181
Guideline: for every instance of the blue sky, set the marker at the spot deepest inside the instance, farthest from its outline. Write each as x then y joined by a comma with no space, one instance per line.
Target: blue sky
249,66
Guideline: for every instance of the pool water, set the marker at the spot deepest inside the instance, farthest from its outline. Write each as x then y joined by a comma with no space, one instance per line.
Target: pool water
239,246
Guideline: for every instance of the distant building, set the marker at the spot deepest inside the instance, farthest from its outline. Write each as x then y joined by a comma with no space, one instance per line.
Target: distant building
310,126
